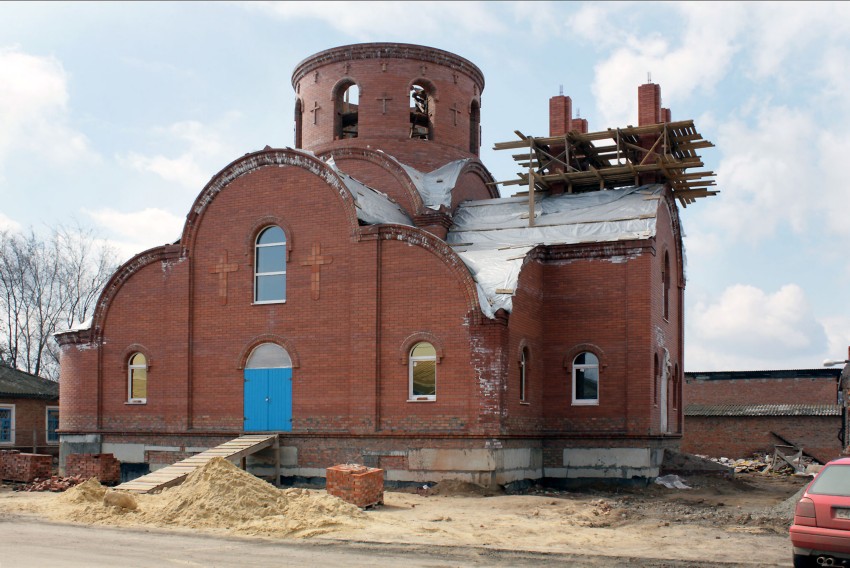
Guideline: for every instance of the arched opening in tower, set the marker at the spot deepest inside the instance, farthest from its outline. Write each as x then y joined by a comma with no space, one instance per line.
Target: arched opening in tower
346,103
421,111
474,127
299,116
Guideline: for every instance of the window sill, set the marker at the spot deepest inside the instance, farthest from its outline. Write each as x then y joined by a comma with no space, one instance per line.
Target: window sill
524,403
269,302
423,399
136,402
585,403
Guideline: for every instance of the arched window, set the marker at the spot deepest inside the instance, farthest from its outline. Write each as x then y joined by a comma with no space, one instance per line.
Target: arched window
421,112
346,105
299,116
270,266
423,372
585,379
474,127
665,277
269,356
523,374
137,378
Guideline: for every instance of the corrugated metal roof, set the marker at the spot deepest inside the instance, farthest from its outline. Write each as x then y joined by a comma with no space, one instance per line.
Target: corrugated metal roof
18,384
763,410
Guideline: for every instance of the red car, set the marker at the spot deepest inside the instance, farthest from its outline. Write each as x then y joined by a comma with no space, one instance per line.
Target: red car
820,534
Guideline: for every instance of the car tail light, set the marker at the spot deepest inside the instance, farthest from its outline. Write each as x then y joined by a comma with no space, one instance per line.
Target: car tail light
805,508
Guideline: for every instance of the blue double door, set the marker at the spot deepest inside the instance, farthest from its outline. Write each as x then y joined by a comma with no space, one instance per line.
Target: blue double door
268,400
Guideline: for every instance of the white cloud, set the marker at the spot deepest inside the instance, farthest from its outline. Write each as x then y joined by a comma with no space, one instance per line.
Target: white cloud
34,108
700,59
747,327
838,334
374,21
131,233
204,152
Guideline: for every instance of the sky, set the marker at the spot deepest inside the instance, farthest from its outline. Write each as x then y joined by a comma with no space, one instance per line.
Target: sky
115,115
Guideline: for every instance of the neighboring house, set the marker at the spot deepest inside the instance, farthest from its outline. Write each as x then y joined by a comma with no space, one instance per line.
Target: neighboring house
736,414
369,298
29,412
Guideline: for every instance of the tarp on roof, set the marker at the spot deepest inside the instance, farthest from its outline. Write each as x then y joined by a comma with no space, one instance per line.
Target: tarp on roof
435,186
492,236
373,207
18,384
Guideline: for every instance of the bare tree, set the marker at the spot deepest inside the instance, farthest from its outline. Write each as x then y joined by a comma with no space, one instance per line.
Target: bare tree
45,286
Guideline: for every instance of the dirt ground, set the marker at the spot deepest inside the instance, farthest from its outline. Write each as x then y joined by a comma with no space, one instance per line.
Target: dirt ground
743,520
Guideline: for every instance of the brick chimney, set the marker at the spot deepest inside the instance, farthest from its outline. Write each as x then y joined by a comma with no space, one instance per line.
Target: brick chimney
579,125
560,115
649,104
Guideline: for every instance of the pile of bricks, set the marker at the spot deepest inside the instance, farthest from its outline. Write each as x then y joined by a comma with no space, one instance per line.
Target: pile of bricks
15,466
53,483
356,484
104,467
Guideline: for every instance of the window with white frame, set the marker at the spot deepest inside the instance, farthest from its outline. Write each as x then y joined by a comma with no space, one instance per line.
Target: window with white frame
585,373
423,372
137,376
270,266
7,424
52,424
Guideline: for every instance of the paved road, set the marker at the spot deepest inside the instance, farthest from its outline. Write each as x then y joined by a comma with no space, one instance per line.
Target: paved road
25,543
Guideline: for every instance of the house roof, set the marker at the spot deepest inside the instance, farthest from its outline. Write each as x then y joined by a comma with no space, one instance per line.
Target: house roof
777,374
18,384
763,410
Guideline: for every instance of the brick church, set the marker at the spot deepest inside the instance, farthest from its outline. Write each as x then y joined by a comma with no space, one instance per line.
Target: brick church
369,297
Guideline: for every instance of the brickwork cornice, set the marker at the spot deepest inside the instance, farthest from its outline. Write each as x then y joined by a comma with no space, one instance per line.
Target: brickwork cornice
378,51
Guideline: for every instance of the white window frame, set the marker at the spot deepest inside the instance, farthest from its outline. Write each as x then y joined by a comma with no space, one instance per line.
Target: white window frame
47,439
11,440
130,369
257,275
575,367
410,363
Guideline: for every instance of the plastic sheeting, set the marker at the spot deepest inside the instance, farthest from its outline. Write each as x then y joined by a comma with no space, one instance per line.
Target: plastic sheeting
373,207
436,187
492,236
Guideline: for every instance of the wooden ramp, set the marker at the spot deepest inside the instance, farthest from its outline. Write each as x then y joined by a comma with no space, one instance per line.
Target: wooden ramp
176,473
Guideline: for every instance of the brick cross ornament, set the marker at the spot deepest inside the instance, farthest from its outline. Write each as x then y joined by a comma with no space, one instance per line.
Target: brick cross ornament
316,260
222,268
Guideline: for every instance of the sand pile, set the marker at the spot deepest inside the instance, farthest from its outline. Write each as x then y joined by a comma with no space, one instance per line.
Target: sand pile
217,496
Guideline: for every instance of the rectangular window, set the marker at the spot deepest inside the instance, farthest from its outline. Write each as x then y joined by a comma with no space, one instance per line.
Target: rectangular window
7,424
52,424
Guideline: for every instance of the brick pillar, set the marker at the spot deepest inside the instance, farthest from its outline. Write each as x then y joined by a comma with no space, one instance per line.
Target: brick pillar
649,104
560,115
579,125
665,115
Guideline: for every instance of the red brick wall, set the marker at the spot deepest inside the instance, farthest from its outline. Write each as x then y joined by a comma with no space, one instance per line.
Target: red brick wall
30,424
822,390
742,436
456,82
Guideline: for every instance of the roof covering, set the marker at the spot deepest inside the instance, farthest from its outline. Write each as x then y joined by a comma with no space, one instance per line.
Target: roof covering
830,374
436,186
373,207
493,236
18,384
763,410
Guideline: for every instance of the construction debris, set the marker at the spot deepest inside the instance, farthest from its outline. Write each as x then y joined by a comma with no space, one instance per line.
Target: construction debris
766,463
53,483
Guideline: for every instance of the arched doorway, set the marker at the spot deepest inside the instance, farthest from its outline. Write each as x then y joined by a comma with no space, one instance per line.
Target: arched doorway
268,390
